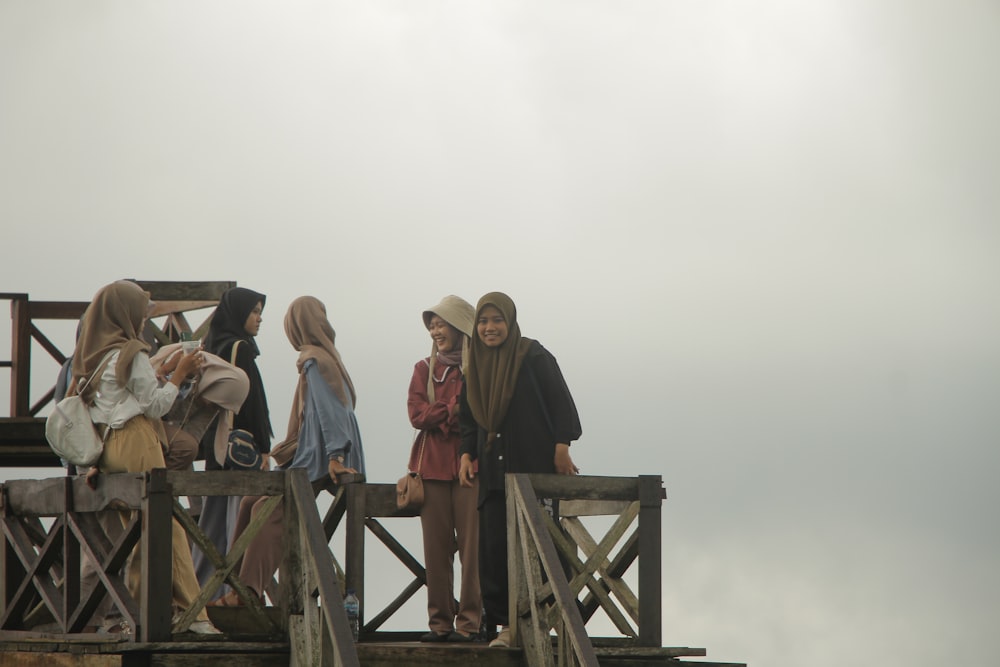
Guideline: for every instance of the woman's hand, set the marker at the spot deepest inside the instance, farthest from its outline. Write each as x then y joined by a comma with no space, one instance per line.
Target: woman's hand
338,468
92,476
465,472
168,366
187,365
564,464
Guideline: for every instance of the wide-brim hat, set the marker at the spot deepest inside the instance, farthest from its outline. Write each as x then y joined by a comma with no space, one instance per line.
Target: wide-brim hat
454,310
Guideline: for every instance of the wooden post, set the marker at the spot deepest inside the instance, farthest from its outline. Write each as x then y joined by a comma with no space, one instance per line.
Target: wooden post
156,588
71,558
290,572
20,355
354,560
650,547
12,570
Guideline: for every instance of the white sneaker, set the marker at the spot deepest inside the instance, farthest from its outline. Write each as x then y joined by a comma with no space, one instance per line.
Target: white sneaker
503,639
204,628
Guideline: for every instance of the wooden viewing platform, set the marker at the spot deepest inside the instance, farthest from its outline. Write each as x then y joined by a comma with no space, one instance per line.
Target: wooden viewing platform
560,573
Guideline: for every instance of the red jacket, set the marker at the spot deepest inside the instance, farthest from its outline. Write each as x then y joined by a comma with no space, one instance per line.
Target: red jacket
436,420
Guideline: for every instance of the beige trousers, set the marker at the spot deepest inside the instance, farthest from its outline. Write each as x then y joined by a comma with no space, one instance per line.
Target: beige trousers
136,448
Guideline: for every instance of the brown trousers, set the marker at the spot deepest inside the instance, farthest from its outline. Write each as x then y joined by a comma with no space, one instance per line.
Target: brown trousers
262,557
450,522
136,448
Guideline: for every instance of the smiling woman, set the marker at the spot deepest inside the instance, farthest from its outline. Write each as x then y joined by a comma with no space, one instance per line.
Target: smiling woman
448,518
517,415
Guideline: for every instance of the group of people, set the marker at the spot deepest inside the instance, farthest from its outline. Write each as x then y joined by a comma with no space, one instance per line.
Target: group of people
486,401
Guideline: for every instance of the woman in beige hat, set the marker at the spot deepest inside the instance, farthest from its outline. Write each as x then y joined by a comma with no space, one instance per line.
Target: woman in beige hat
448,517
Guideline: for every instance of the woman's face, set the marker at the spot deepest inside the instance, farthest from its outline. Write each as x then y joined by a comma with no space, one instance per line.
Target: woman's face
491,327
252,325
445,336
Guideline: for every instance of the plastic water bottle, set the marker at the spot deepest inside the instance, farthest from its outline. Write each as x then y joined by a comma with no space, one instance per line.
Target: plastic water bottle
353,608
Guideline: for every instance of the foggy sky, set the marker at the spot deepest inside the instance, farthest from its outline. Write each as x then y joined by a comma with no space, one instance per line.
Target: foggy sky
761,239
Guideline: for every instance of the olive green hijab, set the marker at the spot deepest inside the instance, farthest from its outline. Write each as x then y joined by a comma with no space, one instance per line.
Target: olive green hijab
492,372
113,320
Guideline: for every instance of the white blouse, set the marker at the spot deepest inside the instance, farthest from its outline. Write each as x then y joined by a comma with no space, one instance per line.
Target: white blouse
142,394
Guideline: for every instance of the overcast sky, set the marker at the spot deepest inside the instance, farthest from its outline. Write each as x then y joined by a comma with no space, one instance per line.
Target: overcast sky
762,239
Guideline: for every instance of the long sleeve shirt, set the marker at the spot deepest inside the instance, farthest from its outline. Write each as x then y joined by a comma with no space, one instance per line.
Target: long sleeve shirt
438,424
541,414
142,394
329,429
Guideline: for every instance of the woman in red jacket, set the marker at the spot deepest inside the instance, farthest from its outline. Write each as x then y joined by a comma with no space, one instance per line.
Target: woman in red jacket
449,517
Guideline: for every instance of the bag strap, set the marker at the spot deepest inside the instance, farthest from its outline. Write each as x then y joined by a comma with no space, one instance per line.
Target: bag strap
232,356
96,373
420,457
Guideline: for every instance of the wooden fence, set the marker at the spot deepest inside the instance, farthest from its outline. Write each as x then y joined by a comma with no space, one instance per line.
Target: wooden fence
560,574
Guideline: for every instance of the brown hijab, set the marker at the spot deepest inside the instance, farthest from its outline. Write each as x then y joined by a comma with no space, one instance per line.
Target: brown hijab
310,332
113,320
492,373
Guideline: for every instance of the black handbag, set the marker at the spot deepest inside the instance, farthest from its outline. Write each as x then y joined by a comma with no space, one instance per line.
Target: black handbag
242,452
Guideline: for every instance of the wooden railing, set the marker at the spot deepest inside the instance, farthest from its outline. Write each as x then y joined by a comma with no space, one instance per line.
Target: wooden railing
560,573
547,575
41,567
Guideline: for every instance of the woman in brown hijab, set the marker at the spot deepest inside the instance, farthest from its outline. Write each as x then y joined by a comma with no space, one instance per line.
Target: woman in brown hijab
128,399
517,415
323,425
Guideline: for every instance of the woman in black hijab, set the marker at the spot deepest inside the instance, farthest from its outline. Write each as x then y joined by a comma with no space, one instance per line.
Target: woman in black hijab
236,322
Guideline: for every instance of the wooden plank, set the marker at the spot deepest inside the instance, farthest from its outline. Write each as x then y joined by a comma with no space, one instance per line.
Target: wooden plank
584,576
51,659
225,565
20,357
291,574
317,553
173,307
591,550
109,558
36,571
354,559
584,487
34,497
226,483
202,290
575,508
57,310
380,501
524,569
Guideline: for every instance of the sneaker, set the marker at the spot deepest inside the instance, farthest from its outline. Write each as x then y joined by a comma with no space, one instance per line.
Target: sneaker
204,628
503,639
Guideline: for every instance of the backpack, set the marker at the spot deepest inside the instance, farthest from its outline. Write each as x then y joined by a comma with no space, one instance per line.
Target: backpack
71,433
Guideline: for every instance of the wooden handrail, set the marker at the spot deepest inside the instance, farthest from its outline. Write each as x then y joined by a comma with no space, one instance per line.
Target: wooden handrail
172,300
546,573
